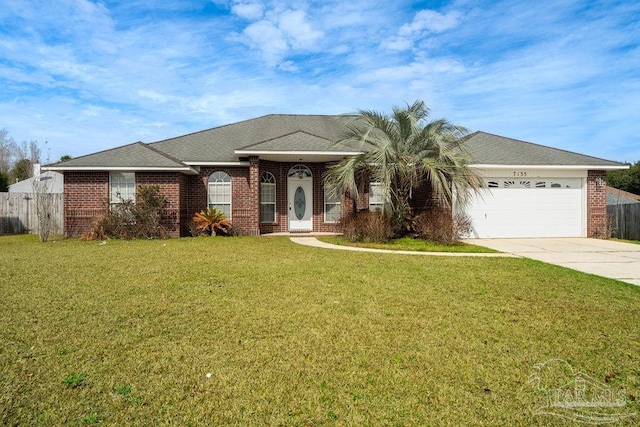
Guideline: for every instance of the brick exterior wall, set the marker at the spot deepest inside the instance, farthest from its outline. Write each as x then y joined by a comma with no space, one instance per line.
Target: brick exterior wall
243,215
596,204
86,195
171,186
281,171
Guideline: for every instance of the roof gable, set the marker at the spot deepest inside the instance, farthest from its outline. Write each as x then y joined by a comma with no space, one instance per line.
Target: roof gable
219,144
489,149
299,141
132,156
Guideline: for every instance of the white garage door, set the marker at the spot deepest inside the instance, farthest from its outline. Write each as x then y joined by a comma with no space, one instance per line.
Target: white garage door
542,207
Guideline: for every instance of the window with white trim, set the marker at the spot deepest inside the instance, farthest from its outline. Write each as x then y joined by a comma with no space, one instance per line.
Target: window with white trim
267,197
332,205
376,196
220,192
122,186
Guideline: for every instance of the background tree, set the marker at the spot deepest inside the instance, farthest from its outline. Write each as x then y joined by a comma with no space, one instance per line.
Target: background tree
7,151
405,151
65,158
627,180
4,182
22,170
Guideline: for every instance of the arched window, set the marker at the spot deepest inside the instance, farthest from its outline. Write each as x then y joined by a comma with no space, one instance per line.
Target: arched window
300,171
220,192
267,197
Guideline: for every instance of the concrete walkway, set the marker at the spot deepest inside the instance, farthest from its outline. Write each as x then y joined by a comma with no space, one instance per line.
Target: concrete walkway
312,241
606,258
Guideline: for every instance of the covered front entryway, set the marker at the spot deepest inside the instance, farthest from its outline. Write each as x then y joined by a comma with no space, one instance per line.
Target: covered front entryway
300,198
529,207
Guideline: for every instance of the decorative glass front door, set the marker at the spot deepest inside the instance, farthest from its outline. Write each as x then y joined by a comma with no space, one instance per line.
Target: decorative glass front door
300,198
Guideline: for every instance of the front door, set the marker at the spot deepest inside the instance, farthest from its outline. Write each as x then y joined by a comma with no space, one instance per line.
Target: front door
300,199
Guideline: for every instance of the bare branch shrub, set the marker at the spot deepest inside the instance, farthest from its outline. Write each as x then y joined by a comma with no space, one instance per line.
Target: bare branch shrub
146,218
438,225
367,226
44,207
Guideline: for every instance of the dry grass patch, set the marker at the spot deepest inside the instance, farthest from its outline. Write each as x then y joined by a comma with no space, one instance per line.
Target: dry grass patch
254,331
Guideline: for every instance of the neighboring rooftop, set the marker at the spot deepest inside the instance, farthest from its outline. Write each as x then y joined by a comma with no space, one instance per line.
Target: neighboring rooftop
620,197
54,183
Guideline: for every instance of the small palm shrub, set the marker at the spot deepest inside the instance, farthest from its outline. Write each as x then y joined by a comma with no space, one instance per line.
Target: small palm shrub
367,226
438,225
212,222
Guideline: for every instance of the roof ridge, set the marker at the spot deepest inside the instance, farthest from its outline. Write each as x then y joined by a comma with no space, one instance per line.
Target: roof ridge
246,121
282,136
469,136
167,156
97,152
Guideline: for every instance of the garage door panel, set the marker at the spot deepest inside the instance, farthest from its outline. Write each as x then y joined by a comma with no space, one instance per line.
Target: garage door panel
528,212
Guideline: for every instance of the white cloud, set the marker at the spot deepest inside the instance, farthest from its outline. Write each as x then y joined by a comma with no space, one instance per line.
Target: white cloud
250,10
276,33
289,66
121,73
294,25
269,39
430,21
425,22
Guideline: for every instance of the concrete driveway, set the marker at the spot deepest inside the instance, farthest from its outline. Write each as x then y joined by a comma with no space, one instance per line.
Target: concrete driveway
607,258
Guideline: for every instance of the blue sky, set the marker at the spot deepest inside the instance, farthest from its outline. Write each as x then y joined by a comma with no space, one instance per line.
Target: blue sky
86,76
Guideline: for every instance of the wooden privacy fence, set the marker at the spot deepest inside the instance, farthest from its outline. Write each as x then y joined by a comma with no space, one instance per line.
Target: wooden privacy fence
625,220
18,213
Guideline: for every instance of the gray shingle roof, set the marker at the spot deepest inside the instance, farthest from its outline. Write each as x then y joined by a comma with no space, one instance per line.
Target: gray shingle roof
619,197
299,141
136,155
219,144
297,133
489,149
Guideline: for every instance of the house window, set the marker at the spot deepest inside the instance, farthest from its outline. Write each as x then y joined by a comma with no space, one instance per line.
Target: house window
267,197
220,192
300,171
332,204
376,196
122,186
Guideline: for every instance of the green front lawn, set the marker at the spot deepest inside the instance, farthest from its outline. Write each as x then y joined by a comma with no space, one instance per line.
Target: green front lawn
409,244
257,331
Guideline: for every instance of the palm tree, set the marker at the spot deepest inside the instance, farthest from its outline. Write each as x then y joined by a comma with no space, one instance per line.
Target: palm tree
212,221
404,151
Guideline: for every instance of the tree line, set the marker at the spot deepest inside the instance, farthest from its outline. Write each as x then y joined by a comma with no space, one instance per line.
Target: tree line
18,159
626,180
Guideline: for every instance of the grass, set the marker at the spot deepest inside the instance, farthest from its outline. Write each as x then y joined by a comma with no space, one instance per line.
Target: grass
409,244
256,331
635,242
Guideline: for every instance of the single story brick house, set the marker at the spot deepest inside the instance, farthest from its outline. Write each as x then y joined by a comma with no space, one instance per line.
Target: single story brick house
267,173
